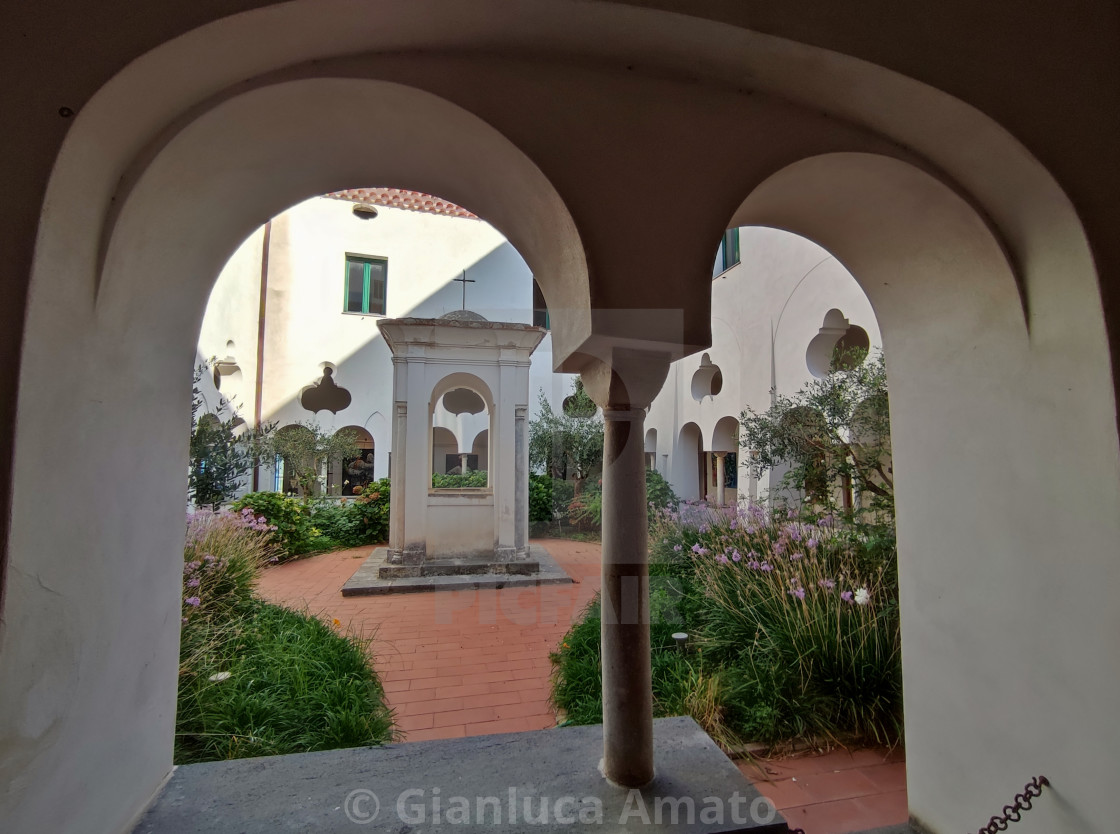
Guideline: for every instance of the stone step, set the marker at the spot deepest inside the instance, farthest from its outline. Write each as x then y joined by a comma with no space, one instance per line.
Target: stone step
369,580
458,568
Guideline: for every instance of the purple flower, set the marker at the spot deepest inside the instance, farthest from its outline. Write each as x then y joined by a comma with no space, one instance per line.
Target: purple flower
208,557
676,548
722,559
846,596
194,583
703,529
812,543
696,548
797,592
827,584
736,556
194,602
766,566
793,557
778,548
753,564
791,514
734,524
794,534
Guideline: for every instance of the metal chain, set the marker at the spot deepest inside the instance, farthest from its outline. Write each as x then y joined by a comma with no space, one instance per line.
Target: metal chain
1014,813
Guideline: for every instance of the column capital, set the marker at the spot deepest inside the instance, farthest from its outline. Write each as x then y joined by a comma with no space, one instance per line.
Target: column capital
626,380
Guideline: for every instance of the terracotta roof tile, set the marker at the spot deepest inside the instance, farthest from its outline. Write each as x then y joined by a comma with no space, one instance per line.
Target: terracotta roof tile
402,198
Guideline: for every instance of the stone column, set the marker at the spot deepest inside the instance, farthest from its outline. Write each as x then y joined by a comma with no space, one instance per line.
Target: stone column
463,462
721,477
521,481
624,387
397,471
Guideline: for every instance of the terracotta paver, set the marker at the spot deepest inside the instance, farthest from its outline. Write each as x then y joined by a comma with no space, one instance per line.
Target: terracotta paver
454,663
836,792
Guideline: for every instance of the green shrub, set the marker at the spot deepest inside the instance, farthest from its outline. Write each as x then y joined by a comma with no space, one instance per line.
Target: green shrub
370,512
467,480
289,518
269,681
659,493
793,625
548,501
540,500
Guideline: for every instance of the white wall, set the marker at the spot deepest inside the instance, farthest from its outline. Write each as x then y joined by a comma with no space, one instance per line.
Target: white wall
784,285
307,329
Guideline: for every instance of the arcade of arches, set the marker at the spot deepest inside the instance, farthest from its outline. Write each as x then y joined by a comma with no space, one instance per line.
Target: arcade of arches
957,162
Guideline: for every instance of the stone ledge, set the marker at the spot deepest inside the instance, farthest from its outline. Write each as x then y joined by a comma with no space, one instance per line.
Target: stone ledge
314,791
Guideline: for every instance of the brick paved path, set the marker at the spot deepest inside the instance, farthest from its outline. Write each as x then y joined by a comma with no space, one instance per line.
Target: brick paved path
459,663
837,792
454,663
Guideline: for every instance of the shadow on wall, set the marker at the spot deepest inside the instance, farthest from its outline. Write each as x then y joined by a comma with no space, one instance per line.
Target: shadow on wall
491,295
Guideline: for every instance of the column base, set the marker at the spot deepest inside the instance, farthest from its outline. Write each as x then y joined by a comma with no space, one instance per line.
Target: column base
410,554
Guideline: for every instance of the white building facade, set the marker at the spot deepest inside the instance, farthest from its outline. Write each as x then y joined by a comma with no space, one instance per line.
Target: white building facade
294,316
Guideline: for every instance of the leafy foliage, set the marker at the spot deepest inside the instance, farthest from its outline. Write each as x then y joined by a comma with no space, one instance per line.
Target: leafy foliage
475,479
357,521
306,449
222,450
834,431
291,519
548,501
568,443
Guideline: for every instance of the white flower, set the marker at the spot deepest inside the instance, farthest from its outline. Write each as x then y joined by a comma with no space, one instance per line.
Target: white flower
863,596
217,677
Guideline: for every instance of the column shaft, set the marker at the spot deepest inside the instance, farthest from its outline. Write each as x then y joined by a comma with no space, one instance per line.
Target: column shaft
627,683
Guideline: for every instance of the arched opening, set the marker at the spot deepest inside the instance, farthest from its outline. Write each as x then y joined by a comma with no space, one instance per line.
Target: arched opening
651,449
689,463
1055,391
707,381
294,473
480,446
725,463
350,475
231,165
460,418
961,361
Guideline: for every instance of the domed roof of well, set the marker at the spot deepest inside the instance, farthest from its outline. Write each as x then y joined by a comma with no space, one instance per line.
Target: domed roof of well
462,315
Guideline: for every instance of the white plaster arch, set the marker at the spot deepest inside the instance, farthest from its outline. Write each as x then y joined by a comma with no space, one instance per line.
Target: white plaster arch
686,473
461,379
725,435
651,441
973,397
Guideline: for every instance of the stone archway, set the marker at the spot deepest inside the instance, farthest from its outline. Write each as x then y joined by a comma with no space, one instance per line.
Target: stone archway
968,358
